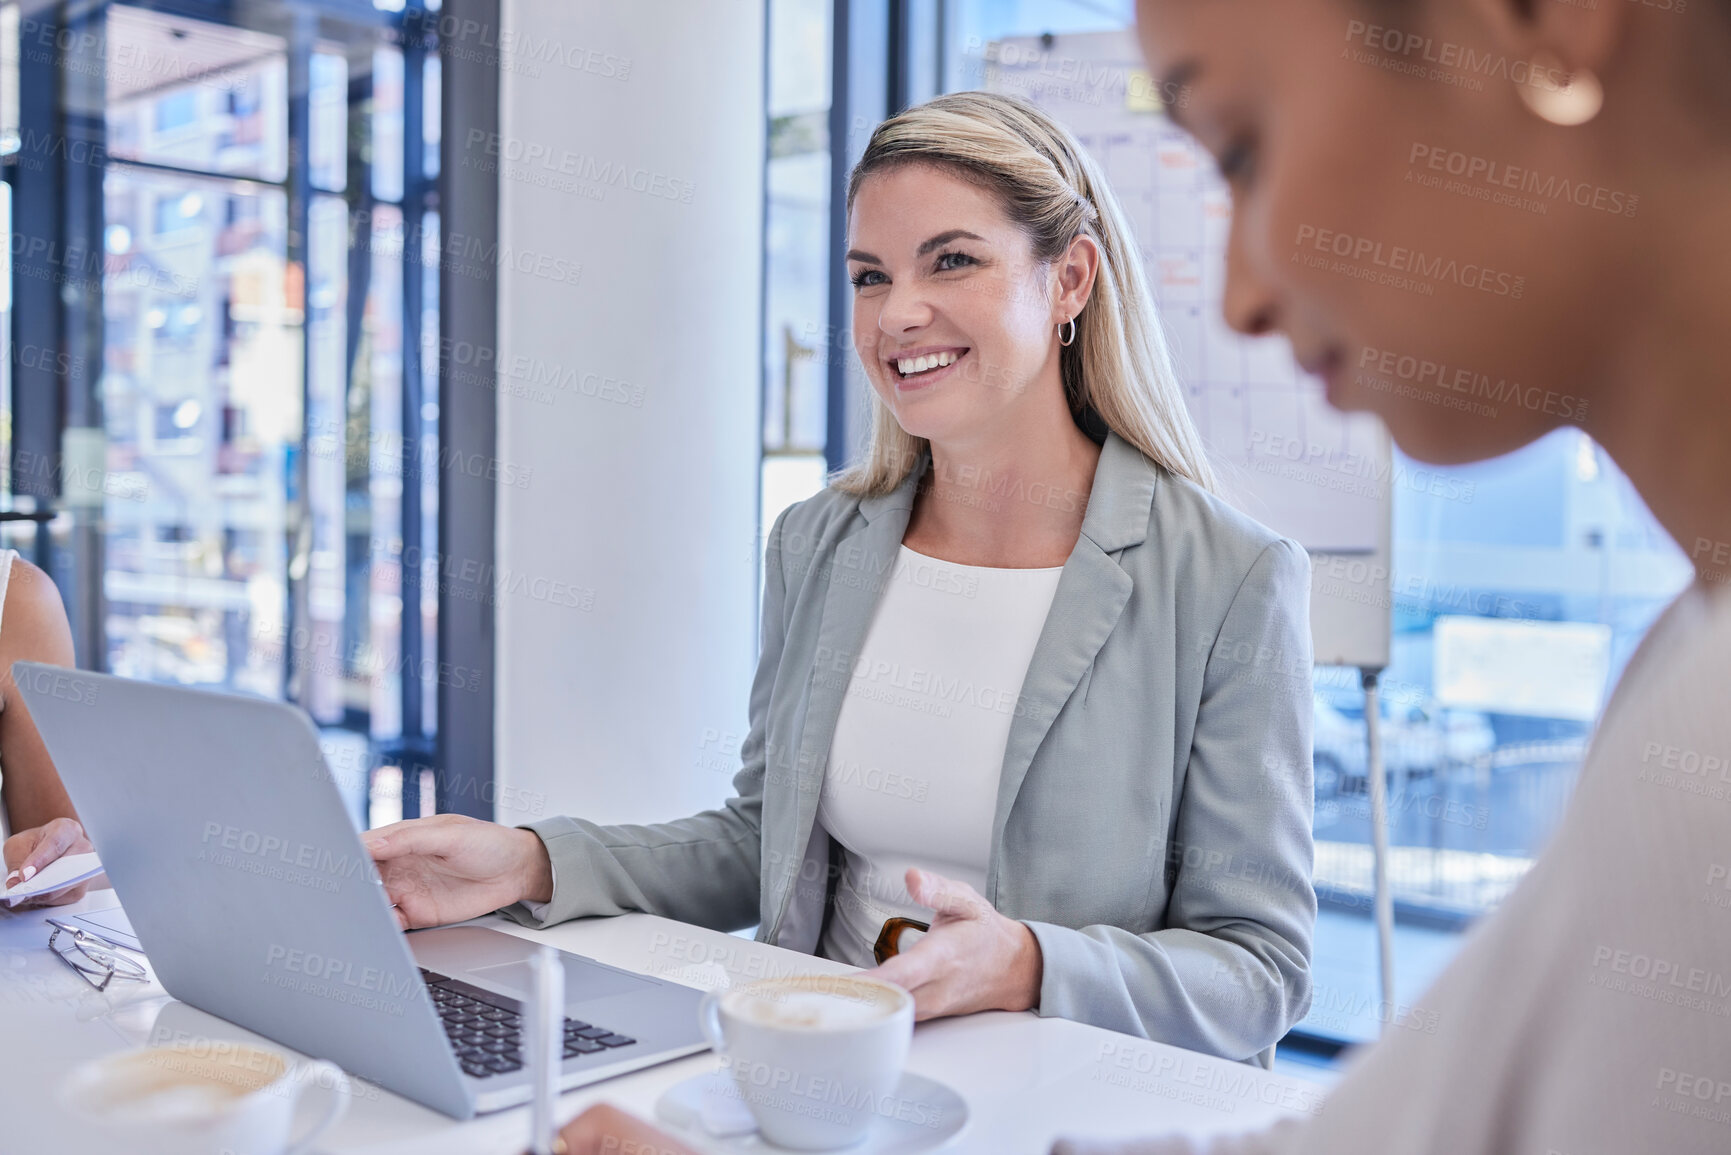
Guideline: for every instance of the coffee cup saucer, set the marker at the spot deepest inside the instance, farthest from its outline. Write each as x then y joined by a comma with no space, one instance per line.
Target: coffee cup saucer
708,1108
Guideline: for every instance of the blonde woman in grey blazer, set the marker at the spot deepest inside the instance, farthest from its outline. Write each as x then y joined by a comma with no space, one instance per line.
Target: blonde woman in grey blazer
1140,856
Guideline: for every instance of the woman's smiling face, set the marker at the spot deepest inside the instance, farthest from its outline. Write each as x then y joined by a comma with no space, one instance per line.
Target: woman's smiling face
1414,293
953,318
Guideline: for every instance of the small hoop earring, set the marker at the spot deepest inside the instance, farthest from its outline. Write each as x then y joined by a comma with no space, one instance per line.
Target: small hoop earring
1575,101
1072,323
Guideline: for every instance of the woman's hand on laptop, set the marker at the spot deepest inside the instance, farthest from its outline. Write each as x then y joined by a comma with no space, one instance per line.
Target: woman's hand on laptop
28,851
449,867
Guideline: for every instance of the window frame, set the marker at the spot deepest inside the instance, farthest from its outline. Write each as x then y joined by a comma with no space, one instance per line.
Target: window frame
62,200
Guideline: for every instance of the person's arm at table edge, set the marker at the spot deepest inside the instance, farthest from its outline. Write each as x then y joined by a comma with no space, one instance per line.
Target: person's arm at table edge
37,806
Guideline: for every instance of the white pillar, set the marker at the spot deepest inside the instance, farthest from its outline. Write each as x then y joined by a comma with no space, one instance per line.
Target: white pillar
631,158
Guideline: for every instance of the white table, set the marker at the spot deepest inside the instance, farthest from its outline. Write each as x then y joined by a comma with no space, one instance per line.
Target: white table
1026,1079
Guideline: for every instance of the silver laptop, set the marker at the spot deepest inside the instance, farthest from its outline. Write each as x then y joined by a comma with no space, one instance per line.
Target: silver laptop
227,841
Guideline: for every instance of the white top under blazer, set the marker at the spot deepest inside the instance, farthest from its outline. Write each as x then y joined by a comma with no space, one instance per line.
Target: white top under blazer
919,744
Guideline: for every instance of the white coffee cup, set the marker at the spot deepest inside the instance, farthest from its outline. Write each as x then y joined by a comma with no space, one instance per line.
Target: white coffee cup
203,1097
815,1057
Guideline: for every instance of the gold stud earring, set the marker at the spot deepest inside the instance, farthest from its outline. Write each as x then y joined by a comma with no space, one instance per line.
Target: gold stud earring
1553,93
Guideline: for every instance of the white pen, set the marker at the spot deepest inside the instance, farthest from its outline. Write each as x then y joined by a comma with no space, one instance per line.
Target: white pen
546,1046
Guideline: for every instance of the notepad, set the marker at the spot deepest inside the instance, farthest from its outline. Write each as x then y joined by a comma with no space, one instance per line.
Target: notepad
69,870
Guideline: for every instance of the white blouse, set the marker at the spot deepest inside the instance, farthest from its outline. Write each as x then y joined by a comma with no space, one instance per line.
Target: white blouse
913,770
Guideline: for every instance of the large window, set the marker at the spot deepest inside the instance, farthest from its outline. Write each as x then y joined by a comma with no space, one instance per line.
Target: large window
247,483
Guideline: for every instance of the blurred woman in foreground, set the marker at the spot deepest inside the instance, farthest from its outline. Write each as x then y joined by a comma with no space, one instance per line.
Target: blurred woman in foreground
1539,193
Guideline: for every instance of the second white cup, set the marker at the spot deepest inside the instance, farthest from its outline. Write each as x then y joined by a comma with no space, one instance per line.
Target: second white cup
203,1097
815,1057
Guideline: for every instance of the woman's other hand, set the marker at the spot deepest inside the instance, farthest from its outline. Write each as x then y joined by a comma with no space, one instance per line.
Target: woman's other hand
973,958
28,851
606,1130
449,867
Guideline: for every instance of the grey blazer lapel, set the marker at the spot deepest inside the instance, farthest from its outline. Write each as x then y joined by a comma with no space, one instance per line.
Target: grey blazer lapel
1092,592
859,569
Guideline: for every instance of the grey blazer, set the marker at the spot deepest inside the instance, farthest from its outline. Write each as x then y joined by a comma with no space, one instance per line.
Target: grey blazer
1153,820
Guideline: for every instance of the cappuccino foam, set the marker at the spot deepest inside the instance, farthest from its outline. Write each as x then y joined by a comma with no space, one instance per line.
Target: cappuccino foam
170,1083
814,1003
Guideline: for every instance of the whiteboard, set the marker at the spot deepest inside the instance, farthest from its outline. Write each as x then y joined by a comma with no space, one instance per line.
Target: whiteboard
1284,457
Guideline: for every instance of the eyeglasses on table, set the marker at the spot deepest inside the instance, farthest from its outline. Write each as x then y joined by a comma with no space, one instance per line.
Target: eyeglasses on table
98,959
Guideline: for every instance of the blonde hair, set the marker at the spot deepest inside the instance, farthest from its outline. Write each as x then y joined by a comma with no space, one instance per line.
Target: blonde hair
1117,369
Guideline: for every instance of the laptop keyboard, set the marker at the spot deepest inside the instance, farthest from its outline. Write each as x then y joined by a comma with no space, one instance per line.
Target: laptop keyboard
486,1030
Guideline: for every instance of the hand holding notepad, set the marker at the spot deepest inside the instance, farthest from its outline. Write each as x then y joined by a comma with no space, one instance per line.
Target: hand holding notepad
57,875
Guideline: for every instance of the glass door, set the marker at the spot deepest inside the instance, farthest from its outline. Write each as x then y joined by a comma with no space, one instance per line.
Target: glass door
265,423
